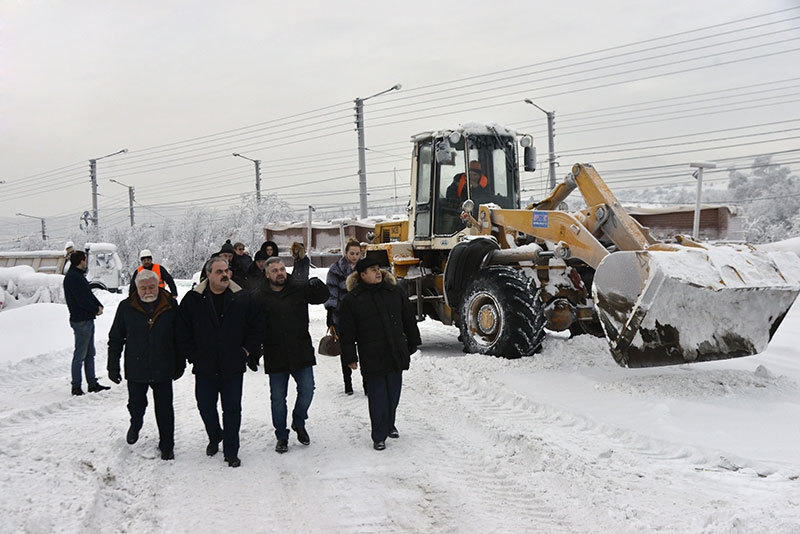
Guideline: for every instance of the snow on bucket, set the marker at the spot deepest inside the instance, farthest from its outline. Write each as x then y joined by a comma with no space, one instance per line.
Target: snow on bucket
690,304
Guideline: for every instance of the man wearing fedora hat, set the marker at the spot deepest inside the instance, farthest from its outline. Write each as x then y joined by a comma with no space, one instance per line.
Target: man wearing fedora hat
378,329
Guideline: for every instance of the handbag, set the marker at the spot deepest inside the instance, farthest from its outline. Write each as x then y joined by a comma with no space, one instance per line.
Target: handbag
329,344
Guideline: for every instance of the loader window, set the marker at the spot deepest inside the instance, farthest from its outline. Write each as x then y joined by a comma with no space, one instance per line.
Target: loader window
422,208
448,199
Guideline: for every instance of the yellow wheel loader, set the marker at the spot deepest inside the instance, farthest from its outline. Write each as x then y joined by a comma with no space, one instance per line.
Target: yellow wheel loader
468,255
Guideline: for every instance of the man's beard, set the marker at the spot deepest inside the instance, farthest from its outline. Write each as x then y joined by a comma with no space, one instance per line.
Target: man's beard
149,298
279,281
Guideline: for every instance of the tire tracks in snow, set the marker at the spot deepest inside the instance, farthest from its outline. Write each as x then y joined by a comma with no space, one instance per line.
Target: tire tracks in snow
577,458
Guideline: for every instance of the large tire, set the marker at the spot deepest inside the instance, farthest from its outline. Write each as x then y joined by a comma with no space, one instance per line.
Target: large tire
501,314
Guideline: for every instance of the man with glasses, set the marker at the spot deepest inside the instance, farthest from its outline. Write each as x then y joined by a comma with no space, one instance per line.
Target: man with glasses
164,278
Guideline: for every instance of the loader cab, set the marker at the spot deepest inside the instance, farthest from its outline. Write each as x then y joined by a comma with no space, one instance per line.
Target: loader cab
446,165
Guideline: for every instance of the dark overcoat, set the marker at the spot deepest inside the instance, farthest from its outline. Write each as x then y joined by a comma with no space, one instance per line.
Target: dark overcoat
287,342
378,327
151,351
213,346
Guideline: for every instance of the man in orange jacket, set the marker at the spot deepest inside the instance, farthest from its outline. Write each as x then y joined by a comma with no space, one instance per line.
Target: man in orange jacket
164,278
478,182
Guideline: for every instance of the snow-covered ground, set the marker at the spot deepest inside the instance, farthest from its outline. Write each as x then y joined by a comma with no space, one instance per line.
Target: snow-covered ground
562,442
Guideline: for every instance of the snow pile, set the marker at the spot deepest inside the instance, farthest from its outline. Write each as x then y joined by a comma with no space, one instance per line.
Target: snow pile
21,285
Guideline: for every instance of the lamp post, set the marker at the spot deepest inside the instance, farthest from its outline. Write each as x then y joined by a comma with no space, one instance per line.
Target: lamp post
44,224
551,117
131,196
93,177
699,165
311,210
362,163
258,175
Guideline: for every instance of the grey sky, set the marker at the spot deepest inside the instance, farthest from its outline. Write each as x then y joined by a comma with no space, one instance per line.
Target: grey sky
80,79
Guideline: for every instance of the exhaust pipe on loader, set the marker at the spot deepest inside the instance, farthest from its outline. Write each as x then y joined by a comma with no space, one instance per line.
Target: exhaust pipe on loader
686,304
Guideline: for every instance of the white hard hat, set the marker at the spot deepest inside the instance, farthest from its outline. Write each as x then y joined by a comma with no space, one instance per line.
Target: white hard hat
69,244
145,254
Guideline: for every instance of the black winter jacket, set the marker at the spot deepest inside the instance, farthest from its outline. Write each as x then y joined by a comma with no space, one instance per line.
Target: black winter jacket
254,279
151,350
82,304
337,286
287,343
377,318
213,346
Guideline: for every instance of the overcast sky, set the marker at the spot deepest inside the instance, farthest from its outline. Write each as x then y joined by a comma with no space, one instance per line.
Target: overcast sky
80,80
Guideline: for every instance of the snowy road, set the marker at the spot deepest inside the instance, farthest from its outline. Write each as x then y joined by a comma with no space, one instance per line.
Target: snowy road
564,442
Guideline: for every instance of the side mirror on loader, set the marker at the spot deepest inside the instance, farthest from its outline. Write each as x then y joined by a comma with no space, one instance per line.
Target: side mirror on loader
530,158
445,155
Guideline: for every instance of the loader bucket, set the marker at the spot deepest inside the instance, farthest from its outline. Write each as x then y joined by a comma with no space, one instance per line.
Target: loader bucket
690,304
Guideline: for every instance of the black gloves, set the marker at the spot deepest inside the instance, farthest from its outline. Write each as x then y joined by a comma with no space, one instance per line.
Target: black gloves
329,319
178,373
316,282
114,376
252,362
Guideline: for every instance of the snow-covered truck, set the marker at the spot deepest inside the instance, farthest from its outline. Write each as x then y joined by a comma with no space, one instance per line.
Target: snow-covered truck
103,264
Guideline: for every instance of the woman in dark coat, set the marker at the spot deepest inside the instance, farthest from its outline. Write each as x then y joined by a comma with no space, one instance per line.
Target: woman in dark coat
336,282
379,330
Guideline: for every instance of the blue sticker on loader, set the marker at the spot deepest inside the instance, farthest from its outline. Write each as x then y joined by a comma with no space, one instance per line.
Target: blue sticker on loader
539,219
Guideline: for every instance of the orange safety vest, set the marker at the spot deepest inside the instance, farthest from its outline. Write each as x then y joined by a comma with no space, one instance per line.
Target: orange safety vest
156,269
462,183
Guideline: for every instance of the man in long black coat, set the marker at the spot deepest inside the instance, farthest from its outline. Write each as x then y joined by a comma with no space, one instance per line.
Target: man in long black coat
221,327
376,317
288,350
145,324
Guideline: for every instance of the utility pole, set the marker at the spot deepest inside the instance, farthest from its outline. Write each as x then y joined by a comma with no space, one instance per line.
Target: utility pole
131,196
257,163
551,158
699,165
395,189
93,177
44,224
362,159
309,234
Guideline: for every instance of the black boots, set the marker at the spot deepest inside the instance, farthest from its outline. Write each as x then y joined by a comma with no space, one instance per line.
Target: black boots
133,435
282,446
77,391
302,435
379,445
97,387
393,433
233,461
213,447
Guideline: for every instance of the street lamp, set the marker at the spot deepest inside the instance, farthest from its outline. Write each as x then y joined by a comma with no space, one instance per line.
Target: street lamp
131,196
93,176
362,163
699,165
258,174
44,225
551,116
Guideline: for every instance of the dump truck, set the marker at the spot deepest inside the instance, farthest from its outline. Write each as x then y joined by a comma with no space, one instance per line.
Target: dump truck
469,255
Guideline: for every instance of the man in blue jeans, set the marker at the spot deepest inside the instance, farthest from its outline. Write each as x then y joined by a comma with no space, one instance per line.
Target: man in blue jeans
288,350
83,308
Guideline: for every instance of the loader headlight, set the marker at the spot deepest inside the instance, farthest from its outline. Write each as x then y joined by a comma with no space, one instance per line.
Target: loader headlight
467,206
454,138
525,141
